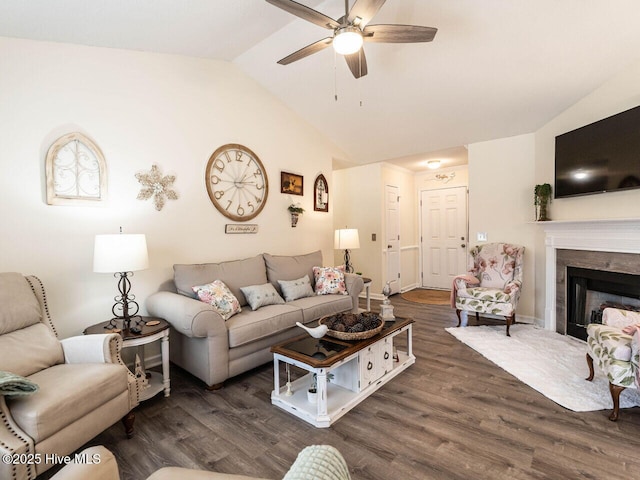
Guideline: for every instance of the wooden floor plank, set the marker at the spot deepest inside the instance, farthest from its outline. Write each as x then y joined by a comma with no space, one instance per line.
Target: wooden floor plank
452,415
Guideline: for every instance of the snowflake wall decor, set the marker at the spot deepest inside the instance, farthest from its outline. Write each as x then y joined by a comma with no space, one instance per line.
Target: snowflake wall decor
156,186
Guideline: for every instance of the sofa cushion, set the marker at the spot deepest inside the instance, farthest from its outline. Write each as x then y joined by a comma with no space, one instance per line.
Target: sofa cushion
295,289
20,307
67,393
29,350
316,307
281,267
218,295
235,274
252,325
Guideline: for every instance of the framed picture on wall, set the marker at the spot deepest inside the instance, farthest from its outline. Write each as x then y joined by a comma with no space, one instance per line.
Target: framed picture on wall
291,183
320,194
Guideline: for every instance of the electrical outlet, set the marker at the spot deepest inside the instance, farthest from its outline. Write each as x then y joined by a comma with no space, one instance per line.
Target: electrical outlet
482,236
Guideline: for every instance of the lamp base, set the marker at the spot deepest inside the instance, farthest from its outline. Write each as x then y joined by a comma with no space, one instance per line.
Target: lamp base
386,312
132,324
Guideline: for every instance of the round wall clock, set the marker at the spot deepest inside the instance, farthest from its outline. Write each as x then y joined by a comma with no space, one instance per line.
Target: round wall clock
237,182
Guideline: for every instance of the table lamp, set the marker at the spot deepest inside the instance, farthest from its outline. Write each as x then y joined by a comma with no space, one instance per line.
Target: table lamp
122,255
346,239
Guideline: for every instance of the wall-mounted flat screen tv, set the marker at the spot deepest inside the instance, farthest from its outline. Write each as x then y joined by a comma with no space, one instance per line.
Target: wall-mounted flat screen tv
600,157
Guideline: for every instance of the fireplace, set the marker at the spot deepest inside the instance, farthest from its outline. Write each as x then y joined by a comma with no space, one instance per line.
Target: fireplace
610,247
590,291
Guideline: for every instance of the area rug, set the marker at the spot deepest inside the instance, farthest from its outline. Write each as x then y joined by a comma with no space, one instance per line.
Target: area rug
427,297
548,362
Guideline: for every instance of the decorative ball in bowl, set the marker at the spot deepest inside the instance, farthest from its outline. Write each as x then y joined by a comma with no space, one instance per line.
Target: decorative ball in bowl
351,326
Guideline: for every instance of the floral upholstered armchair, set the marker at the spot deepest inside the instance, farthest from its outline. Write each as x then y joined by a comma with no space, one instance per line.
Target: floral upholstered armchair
615,346
492,283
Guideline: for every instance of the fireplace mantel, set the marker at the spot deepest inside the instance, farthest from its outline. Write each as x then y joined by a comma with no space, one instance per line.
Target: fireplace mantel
620,235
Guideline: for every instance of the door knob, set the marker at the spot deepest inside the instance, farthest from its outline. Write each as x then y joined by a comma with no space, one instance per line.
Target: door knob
463,245
389,246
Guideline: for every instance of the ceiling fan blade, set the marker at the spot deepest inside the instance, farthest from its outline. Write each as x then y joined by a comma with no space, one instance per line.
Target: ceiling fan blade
399,33
357,63
306,13
306,51
366,10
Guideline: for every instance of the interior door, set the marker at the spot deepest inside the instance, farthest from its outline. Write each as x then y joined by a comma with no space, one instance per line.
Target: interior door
443,243
392,237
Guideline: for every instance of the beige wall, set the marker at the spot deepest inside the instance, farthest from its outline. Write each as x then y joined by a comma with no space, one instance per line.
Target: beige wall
141,109
359,189
618,94
501,174
362,188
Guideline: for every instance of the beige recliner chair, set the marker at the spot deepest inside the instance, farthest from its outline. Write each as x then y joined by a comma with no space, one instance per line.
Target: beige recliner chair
83,385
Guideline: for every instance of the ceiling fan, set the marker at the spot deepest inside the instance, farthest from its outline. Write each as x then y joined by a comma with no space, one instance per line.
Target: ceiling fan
351,30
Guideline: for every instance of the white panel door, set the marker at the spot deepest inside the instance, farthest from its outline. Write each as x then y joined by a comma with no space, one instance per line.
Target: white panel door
443,242
392,237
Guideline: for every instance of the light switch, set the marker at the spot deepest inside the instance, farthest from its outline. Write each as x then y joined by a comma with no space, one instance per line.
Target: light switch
482,236
373,237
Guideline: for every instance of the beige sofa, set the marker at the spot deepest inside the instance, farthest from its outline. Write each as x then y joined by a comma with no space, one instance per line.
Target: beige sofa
213,349
83,387
316,462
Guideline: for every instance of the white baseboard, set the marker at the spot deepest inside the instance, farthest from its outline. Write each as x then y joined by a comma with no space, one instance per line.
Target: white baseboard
408,288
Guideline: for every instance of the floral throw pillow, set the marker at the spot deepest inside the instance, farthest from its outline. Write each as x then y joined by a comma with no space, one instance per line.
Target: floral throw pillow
329,280
218,295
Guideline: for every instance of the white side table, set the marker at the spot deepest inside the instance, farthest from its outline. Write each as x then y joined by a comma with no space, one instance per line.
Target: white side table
149,334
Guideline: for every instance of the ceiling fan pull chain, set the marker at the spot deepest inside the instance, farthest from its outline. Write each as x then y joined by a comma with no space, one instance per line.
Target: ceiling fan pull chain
360,83
335,77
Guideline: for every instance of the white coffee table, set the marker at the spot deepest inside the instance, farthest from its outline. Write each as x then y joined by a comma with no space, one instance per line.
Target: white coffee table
347,372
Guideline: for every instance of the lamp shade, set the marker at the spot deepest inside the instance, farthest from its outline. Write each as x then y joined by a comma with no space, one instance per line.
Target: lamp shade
120,253
346,238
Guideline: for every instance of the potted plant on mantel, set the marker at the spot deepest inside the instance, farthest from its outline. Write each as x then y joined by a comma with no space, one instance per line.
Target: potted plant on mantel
542,197
295,210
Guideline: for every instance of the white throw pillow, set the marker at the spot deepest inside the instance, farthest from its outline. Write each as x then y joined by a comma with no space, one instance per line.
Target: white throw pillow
260,295
295,289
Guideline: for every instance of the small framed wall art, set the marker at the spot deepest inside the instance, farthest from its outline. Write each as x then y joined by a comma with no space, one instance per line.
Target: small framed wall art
291,183
321,194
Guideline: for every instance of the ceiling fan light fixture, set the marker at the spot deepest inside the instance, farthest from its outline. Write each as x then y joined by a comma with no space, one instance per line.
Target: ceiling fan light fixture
347,40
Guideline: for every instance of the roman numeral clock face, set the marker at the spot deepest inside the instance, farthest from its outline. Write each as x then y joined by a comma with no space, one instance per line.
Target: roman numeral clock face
237,182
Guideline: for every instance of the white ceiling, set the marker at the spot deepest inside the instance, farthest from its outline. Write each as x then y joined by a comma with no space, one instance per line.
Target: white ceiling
496,67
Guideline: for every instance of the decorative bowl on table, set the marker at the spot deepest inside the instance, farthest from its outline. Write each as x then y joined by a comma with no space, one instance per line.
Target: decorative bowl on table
351,326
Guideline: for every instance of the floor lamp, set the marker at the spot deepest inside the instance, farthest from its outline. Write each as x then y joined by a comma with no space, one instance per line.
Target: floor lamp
346,239
122,255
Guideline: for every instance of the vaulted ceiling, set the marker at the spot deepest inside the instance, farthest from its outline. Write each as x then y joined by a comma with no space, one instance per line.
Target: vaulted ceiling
496,68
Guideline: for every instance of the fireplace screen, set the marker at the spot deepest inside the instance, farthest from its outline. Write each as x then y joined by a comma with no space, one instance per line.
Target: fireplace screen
589,292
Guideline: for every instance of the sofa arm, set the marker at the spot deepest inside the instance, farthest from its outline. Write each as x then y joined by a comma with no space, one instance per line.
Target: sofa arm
355,285
615,317
13,441
187,316
96,463
99,348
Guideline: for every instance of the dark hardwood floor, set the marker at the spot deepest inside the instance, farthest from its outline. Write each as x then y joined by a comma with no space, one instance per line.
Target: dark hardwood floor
452,415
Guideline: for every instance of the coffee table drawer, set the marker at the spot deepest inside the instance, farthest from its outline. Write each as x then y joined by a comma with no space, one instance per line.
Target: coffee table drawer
375,361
